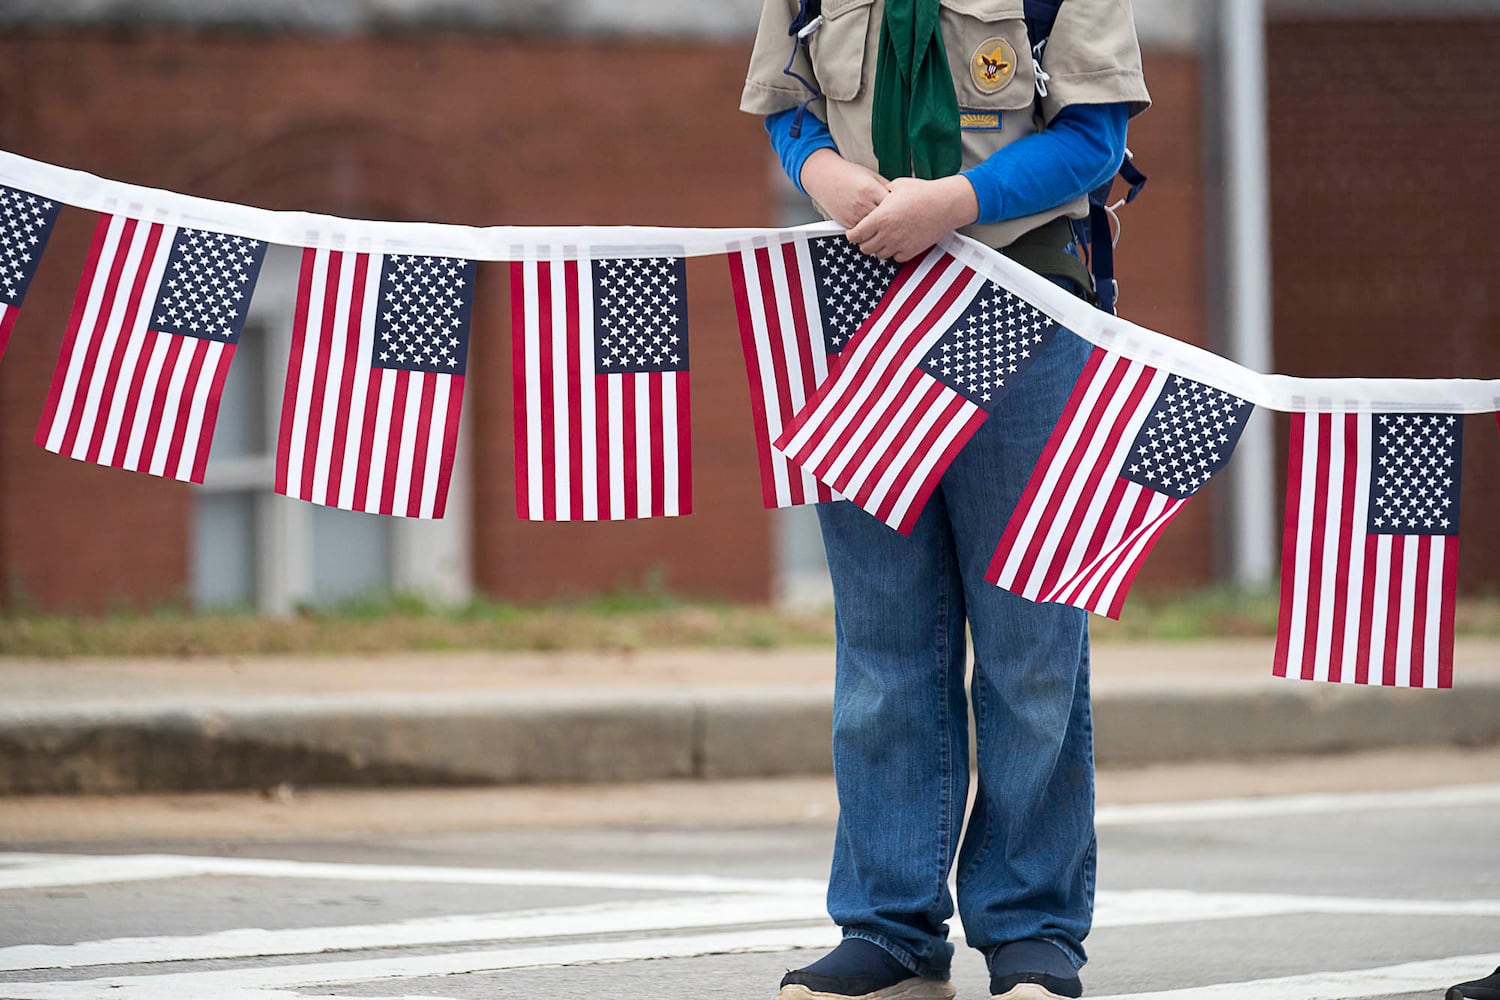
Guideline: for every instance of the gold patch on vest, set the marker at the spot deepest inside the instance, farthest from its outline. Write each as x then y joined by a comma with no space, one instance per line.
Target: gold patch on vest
993,65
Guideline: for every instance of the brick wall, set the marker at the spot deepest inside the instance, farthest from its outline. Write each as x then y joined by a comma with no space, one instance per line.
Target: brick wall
1385,147
487,129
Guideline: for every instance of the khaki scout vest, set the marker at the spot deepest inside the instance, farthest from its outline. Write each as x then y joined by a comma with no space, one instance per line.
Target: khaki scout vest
989,55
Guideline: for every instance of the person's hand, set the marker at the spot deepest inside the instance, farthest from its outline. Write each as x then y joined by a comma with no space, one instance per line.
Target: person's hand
845,190
914,215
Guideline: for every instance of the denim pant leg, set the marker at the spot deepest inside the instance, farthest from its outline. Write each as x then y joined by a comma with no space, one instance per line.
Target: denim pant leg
900,731
1026,867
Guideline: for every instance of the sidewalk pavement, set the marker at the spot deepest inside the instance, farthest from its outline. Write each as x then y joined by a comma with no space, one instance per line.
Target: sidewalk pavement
136,725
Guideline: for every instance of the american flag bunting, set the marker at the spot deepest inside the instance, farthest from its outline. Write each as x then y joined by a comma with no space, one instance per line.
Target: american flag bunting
1369,562
941,350
1133,445
799,302
375,385
601,388
25,223
154,327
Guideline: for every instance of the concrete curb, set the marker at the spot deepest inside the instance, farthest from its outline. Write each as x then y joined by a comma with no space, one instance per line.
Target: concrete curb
604,735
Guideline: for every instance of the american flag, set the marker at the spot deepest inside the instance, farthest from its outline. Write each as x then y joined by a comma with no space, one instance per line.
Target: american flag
375,385
25,223
1133,445
939,353
155,323
799,302
601,388
1369,561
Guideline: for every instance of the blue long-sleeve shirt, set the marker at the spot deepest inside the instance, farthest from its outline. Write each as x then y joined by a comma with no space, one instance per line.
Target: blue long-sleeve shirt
1080,150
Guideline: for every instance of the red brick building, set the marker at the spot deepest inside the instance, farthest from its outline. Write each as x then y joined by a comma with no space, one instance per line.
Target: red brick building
465,114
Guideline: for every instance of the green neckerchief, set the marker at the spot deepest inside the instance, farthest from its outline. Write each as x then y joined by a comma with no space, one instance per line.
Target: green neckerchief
915,118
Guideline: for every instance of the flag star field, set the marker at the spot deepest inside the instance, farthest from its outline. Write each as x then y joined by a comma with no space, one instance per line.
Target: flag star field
640,315
25,221
1188,437
850,285
997,337
206,289
423,319
1415,489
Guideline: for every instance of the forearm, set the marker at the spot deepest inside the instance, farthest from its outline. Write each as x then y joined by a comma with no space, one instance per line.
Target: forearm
793,150
1080,150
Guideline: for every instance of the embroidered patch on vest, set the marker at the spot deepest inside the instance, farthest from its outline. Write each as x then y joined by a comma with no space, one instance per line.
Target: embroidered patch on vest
986,121
993,65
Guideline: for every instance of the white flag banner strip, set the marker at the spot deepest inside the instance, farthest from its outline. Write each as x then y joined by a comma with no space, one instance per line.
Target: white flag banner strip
600,368
375,383
509,243
155,322
798,302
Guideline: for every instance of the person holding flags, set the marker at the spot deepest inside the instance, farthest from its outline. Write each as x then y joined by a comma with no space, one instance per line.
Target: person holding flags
903,120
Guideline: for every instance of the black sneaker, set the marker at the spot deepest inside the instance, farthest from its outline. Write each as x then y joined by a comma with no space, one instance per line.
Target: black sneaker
860,970
800,985
1034,986
1487,988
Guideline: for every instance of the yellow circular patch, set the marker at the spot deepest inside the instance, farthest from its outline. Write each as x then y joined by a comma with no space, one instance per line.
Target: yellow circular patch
993,65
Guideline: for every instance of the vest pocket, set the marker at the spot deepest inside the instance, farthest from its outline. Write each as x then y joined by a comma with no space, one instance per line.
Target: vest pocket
837,49
989,54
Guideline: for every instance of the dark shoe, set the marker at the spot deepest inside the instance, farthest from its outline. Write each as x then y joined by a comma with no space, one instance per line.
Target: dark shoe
860,970
1487,988
1034,986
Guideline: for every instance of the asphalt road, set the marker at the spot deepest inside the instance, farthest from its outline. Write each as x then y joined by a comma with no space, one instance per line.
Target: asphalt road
1377,892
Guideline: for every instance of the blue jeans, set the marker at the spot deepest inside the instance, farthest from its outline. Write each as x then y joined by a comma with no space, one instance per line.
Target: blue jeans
901,718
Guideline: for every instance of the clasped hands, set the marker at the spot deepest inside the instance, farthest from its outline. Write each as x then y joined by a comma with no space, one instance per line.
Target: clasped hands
896,219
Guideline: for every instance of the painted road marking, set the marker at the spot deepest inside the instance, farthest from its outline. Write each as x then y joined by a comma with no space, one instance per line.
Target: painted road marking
1297,805
1409,977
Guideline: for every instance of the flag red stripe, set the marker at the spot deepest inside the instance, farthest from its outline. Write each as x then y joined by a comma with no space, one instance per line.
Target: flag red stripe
1320,554
8,316
1142,549
629,458
197,350
1053,503
806,365
352,363
602,445
313,435
366,468
779,362
860,360
548,341
1445,611
91,353
1419,651
450,443
124,337
75,321
1291,528
393,444
211,412
1013,527
684,446
1346,547
152,438
294,372
1087,578
422,443
1098,478
1392,598
658,457
752,376
518,387
868,388
1366,667
575,374
130,414
933,470
872,425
